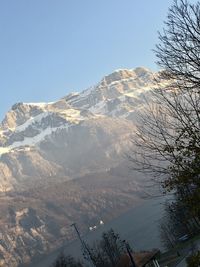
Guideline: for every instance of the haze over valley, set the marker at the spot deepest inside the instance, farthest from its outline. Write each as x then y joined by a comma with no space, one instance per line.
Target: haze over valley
66,161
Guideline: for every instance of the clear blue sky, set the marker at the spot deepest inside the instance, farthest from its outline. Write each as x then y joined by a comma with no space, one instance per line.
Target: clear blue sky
49,48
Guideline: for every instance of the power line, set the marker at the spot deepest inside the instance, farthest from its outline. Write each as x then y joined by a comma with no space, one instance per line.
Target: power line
86,251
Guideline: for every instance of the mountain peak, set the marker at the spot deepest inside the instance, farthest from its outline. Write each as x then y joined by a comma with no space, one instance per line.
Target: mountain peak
125,74
113,88
118,75
142,70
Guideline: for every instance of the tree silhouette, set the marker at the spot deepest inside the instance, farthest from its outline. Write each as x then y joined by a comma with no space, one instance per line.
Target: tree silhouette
167,142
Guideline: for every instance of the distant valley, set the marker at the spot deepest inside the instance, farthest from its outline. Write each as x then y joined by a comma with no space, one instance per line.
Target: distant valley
65,162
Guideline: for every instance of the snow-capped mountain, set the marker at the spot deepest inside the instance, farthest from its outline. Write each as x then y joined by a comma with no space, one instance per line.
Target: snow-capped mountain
64,161
78,134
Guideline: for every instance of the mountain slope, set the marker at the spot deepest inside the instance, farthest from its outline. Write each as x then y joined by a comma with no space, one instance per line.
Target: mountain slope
64,161
39,141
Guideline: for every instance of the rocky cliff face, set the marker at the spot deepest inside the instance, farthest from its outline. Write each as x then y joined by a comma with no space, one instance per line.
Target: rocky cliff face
80,133
44,147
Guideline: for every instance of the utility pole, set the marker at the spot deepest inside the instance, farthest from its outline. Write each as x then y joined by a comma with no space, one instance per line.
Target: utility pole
86,251
129,253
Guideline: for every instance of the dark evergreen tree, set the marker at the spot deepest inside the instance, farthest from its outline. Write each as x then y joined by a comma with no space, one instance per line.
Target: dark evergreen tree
176,223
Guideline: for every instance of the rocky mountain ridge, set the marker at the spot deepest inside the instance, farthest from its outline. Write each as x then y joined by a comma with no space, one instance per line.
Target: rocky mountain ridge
46,139
64,161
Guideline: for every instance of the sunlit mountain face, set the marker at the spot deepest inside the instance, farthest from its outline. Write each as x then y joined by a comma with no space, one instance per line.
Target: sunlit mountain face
65,161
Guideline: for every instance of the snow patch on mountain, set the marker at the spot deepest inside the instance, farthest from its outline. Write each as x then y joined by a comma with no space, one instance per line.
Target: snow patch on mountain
117,95
32,121
38,104
32,141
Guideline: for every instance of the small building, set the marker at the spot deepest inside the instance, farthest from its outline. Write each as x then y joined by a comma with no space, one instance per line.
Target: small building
141,259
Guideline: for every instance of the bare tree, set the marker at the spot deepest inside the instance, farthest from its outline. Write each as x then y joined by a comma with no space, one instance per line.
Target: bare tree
66,261
105,252
178,51
108,251
167,141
